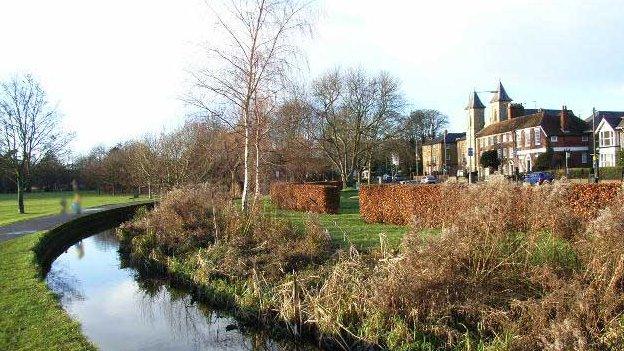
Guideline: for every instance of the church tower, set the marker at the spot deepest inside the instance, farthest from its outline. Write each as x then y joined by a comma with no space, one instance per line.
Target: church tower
476,118
498,105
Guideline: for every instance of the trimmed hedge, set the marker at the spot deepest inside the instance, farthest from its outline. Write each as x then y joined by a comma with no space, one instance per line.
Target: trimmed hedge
316,198
433,205
573,173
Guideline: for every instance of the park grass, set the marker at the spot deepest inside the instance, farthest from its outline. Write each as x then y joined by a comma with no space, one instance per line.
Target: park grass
347,227
48,203
32,317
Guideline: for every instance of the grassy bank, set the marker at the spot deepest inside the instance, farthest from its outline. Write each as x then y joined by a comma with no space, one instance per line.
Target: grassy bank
43,204
347,227
514,271
31,318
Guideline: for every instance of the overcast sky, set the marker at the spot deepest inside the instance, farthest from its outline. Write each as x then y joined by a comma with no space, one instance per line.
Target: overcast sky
117,67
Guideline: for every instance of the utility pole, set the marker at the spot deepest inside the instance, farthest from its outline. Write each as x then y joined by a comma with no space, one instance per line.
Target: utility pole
596,162
444,143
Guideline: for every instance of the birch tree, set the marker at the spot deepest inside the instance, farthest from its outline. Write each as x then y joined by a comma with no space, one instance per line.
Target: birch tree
257,48
30,127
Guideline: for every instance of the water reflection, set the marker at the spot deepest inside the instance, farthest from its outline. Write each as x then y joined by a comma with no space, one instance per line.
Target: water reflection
120,311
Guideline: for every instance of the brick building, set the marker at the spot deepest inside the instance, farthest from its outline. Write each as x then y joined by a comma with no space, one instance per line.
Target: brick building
440,153
520,135
525,134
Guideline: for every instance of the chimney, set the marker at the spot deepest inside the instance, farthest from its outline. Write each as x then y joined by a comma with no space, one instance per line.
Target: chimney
563,118
515,110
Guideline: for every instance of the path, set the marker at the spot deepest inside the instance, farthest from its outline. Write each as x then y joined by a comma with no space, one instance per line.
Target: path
29,226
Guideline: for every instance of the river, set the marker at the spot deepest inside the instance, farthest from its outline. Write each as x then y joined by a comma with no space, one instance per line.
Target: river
119,310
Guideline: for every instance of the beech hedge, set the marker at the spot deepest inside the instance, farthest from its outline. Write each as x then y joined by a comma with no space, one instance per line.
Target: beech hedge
318,198
433,205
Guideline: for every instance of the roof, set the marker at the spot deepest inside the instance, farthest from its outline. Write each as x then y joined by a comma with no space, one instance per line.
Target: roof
474,101
500,94
451,138
549,120
612,117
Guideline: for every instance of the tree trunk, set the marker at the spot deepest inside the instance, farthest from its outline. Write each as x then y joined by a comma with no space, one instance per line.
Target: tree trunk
20,194
245,163
257,170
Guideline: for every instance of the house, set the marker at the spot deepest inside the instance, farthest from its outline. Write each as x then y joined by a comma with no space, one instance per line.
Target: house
609,130
521,138
439,156
520,135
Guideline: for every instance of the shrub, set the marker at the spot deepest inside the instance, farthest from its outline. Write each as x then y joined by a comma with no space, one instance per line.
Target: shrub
316,198
202,223
612,173
573,173
431,206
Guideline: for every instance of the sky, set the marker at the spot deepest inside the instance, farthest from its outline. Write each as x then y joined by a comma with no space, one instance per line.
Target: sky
117,69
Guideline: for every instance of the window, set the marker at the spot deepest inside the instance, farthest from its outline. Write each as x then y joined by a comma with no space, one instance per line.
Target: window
510,152
518,138
505,138
447,154
584,138
499,152
553,139
538,136
584,157
527,137
490,141
606,138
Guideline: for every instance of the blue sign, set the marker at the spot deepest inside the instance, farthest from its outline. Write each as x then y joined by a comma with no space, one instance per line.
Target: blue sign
470,152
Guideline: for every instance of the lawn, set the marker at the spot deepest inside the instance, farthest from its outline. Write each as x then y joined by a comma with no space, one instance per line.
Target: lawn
347,227
31,318
43,204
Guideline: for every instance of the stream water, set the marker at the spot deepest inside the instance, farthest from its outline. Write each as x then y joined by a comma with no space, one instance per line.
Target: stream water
119,310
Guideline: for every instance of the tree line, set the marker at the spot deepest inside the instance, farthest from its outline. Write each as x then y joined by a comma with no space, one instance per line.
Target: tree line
253,121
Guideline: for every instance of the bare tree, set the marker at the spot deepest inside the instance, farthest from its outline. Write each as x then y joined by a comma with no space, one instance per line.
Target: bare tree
423,125
31,128
355,114
258,47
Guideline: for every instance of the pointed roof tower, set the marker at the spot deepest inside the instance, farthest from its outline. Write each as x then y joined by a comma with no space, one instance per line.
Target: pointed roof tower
500,94
474,102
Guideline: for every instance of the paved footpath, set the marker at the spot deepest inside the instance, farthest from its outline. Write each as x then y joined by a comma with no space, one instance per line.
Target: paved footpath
29,226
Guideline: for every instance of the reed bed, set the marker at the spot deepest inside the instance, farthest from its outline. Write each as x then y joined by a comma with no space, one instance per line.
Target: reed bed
511,269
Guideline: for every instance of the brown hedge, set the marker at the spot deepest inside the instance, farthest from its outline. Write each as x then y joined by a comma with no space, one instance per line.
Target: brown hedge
318,198
433,205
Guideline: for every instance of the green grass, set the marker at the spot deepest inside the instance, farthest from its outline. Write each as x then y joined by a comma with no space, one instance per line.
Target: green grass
347,227
31,317
43,204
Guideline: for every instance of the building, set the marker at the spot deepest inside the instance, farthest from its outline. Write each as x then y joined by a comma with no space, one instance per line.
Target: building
609,131
440,156
520,135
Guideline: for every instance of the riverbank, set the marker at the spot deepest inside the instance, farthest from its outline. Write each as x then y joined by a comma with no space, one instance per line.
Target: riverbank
498,276
49,203
32,318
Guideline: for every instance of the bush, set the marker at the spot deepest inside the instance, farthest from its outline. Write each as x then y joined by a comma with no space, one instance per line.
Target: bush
612,173
573,173
431,206
201,224
315,198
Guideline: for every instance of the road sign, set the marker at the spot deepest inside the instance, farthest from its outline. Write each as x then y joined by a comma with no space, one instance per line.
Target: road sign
470,151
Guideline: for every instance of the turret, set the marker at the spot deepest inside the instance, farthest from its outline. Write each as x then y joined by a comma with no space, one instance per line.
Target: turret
499,105
476,118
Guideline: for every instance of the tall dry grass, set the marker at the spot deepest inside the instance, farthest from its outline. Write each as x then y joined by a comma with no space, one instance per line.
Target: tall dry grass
511,268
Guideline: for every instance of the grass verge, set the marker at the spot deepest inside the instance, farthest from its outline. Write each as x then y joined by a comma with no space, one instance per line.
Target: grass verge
347,227
32,318
44,204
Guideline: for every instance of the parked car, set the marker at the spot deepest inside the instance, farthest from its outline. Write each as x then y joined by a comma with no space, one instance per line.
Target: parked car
538,178
430,179
410,181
